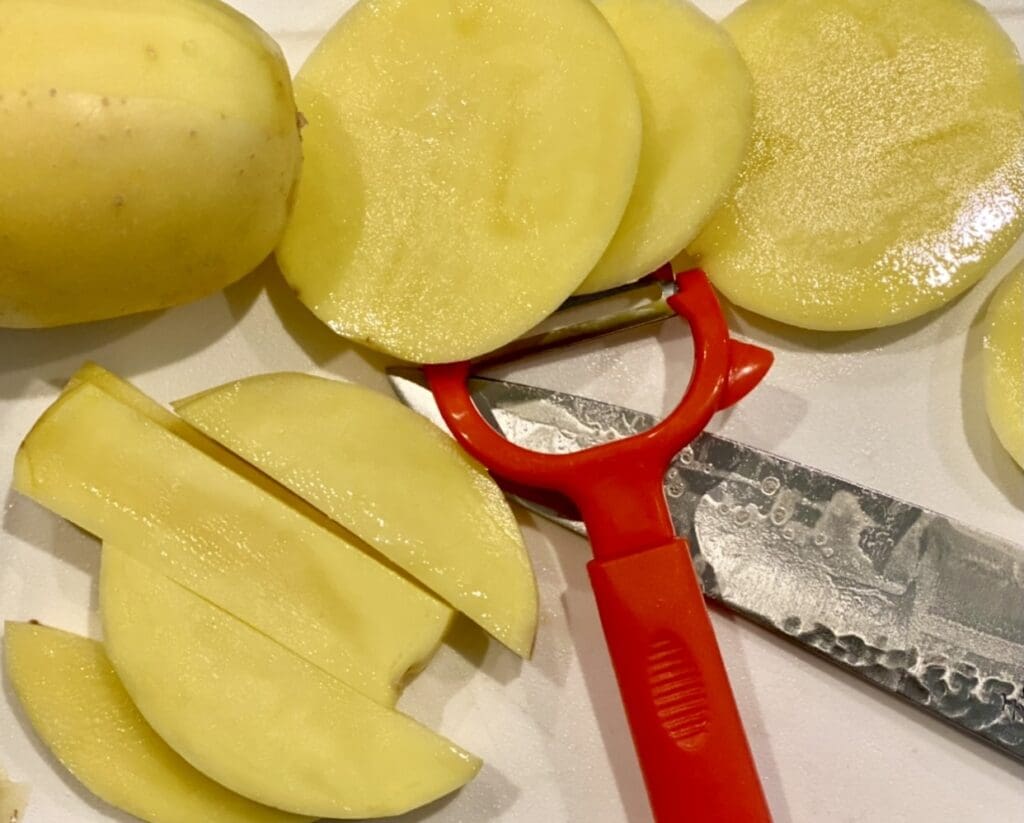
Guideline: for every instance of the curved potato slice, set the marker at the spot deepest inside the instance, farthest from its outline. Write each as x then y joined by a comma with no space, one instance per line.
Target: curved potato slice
82,713
257,718
887,167
696,97
1004,364
465,166
123,477
392,478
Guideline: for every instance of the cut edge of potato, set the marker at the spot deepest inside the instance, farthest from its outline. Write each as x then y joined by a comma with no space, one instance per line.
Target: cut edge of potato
305,468
163,641
1003,364
114,753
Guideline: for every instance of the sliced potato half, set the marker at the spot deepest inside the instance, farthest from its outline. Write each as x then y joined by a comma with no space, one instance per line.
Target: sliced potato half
466,164
697,102
257,718
392,478
1004,364
120,476
82,713
887,167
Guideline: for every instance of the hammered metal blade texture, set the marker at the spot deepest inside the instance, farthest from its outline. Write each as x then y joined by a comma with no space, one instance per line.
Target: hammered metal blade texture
925,607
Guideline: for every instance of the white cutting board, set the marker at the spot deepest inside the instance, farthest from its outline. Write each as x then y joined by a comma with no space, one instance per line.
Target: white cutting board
898,409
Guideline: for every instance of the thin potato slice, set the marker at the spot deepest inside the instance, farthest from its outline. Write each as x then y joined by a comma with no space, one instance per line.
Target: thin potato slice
1004,364
82,713
466,164
146,164
122,477
887,168
257,718
392,478
697,102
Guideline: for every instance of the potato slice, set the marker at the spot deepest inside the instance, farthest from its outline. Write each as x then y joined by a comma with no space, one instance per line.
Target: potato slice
82,713
696,97
256,717
391,477
887,168
1004,364
466,165
145,165
122,477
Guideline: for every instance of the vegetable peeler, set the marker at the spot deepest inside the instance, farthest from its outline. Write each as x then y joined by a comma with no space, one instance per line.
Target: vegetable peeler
686,729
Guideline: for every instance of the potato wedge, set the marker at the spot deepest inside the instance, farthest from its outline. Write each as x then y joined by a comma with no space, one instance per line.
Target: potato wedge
1004,364
392,478
146,164
256,717
82,713
887,170
122,477
696,96
466,165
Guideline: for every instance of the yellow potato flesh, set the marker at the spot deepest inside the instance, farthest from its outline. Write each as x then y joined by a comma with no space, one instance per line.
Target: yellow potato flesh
392,478
122,477
887,165
144,165
466,165
81,712
256,717
1004,364
697,102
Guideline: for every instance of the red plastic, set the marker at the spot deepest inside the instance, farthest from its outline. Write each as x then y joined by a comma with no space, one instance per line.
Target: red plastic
651,607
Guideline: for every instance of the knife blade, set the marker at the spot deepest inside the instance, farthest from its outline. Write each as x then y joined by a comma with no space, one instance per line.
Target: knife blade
920,605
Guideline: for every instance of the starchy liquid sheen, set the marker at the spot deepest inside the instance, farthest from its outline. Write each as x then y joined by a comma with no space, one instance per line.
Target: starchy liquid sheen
697,102
1004,364
256,717
363,459
466,164
82,713
886,172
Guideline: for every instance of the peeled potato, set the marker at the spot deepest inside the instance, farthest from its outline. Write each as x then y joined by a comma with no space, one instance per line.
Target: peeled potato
82,713
392,478
467,163
148,151
697,102
887,165
1004,364
256,717
121,476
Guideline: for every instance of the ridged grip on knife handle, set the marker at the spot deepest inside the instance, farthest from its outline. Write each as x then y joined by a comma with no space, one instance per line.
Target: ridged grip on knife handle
687,731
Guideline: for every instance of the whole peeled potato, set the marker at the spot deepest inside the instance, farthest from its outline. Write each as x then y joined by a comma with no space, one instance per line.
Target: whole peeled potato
148,151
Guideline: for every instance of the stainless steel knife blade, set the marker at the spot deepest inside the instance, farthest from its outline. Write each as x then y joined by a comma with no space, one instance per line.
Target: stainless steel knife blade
921,605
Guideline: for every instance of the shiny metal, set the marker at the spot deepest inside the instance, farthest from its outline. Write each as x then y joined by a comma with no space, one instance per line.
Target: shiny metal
923,606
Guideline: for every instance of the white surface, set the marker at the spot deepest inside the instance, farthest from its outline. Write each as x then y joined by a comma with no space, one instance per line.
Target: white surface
900,410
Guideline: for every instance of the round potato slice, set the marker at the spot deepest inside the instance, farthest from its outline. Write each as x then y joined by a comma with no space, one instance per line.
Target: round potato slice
1004,364
887,165
144,165
466,165
697,102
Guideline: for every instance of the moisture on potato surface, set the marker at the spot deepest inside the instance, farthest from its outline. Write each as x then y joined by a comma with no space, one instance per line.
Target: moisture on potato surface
1004,364
697,102
256,717
148,153
81,712
887,166
466,165
389,476
120,475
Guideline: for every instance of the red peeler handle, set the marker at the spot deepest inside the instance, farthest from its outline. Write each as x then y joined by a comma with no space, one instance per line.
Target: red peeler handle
695,759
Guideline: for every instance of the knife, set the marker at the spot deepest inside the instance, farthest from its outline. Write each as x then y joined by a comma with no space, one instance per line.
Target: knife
923,606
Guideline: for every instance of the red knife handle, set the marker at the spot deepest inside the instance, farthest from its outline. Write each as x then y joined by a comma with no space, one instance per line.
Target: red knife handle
687,731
